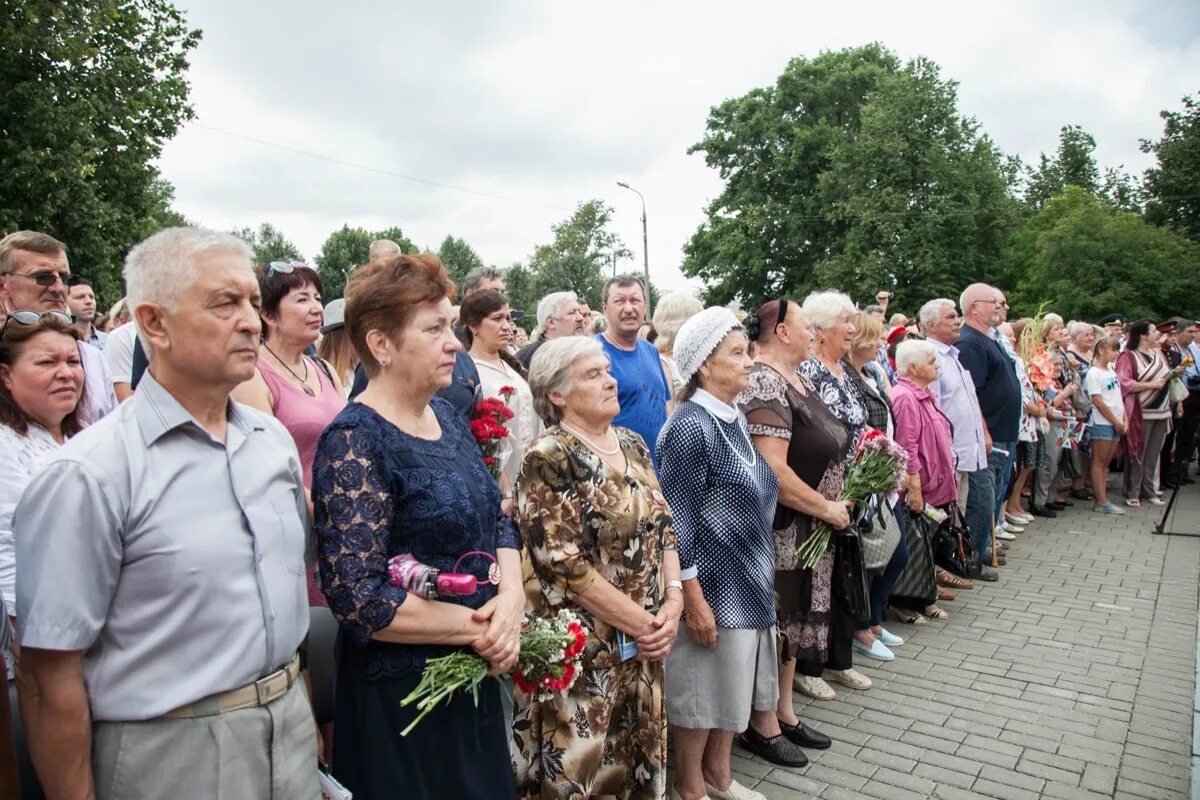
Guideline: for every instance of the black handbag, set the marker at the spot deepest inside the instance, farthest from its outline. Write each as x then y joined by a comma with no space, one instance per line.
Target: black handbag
850,576
953,548
917,584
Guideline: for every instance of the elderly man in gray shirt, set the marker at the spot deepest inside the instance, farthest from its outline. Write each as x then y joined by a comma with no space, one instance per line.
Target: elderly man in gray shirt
161,593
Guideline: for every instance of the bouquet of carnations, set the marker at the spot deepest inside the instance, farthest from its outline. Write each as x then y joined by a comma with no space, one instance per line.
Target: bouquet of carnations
879,467
551,650
487,426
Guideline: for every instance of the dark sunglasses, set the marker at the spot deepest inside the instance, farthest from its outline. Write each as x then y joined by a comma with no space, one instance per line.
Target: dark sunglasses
284,267
44,279
33,318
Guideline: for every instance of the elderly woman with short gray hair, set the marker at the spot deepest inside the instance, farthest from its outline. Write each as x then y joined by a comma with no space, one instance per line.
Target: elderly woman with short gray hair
599,537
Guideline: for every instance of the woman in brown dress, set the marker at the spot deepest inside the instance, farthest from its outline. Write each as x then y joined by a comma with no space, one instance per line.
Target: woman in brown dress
805,446
599,535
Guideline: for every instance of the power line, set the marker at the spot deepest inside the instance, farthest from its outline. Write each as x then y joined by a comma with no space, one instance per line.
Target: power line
377,170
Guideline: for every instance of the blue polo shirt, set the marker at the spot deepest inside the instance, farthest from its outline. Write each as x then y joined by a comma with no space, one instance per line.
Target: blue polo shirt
642,389
996,383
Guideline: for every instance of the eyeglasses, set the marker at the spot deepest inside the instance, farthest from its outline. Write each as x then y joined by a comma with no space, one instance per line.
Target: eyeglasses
284,267
45,279
33,318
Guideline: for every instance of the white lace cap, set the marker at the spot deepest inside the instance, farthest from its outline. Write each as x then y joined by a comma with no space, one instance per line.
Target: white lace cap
700,336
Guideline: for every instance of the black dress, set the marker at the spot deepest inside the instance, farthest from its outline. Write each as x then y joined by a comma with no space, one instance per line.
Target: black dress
817,447
377,493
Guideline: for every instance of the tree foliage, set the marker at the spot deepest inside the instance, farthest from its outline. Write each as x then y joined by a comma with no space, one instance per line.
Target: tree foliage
269,244
1086,258
91,91
1173,184
518,287
459,258
853,171
348,248
575,260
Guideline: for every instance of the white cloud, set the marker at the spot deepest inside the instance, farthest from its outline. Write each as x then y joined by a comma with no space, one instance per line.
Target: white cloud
551,103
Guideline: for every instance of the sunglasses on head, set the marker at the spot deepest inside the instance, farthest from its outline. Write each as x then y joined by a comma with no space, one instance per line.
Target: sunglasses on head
33,318
284,267
45,279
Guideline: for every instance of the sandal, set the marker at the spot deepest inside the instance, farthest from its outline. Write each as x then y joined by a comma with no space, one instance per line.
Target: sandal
945,594
952,581
906,616
933,612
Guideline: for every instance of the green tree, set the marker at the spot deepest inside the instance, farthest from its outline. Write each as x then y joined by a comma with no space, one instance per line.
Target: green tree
458,258
1074,164
852,171
518,286
1173,184
1086,259
269,244
348,248
583,246
91,92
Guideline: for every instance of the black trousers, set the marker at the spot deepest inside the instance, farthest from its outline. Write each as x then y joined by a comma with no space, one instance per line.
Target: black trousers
1187,428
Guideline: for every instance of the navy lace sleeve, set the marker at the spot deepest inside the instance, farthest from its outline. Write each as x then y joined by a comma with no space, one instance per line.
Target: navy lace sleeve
379,492
352,503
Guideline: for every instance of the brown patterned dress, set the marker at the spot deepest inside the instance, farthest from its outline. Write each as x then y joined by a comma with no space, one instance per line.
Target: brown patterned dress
817,445
581,520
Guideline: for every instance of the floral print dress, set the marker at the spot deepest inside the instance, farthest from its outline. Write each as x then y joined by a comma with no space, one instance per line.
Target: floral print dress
581,520
817,447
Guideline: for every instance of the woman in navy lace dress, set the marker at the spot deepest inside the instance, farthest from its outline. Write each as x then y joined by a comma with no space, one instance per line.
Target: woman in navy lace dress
399,472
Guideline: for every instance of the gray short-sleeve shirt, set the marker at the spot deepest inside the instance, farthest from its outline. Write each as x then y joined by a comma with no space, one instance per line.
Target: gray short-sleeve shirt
175,560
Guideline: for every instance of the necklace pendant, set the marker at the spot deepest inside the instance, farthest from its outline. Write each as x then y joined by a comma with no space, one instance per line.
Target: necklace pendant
308,390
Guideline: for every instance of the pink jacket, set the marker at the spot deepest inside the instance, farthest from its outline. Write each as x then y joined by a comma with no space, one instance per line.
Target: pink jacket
924,432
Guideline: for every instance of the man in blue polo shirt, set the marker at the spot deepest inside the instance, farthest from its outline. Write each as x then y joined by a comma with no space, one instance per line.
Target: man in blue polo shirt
642,387
999,394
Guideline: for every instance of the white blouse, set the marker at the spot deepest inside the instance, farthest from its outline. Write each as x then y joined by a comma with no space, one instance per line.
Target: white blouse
23,455
524,427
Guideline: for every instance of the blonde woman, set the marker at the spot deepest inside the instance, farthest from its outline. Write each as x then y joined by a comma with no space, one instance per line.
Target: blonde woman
672,311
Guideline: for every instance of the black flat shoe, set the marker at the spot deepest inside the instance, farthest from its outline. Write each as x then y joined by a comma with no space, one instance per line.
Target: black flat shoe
1082,494
986,574
805,736
1042,511
778,750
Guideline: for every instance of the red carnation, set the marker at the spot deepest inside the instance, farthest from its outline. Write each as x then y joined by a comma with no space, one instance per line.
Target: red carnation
488,461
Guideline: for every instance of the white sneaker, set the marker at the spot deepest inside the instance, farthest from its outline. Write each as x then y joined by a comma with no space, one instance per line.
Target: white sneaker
1009,527
1003,535
1156,501
815,688
735,792
849,678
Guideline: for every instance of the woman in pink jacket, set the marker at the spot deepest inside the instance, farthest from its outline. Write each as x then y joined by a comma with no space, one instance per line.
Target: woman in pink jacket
924,432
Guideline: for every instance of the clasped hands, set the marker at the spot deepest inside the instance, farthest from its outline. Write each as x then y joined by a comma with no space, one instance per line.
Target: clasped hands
500,643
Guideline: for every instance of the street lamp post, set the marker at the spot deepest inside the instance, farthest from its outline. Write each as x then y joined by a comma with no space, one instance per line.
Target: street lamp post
645,242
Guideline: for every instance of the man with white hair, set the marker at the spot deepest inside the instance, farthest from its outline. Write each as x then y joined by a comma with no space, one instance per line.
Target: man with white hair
999,393
955,391
558,314
162,595
33,277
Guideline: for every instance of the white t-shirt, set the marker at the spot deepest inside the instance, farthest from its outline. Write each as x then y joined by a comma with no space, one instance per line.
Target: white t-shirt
1104,383
118,353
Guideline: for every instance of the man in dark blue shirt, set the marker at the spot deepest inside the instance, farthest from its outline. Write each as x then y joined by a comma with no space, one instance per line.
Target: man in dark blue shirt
999,394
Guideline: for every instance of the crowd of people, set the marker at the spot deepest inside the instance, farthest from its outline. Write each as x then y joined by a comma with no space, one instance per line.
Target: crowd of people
177,491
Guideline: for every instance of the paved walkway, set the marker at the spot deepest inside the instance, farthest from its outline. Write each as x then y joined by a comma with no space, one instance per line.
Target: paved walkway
1074,676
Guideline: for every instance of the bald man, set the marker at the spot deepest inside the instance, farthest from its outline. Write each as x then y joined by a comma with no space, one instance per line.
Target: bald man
999,394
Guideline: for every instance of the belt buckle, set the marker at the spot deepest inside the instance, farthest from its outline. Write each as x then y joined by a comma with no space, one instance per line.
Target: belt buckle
268,688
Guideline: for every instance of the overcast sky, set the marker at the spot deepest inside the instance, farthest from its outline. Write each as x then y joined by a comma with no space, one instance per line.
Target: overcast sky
536,106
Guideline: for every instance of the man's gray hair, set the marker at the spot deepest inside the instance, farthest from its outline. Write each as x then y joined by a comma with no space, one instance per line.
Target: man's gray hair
822,309
31,242
549,306
971,294
475,278
911,352
382,248
550,371
160,268
931,312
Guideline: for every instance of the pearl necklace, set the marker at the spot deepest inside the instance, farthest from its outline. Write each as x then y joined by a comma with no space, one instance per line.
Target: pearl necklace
583,438
749,462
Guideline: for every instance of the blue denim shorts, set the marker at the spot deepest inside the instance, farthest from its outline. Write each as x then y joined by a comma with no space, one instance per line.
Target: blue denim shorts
1104,432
